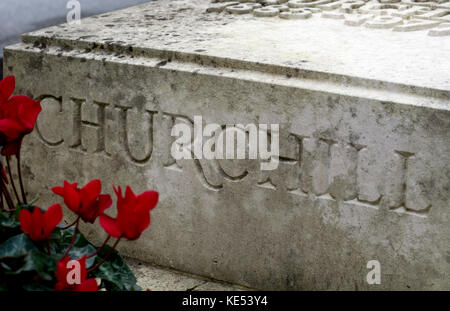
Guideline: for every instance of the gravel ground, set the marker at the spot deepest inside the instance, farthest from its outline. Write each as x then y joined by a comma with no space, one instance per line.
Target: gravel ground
162,279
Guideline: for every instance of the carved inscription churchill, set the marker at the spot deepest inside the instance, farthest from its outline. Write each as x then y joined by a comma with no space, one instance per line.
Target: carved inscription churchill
313,167
397,15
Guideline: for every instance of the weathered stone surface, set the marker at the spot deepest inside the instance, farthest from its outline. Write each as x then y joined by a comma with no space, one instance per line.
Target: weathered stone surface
364,149
23,16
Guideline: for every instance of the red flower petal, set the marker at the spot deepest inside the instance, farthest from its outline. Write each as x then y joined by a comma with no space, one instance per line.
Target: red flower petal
130,200
83,271
90,192
60,286
132,233
52,218
37,225
61,272
29,110
58,190
118,192
148,199
25,220
12,148
12,129
61,275
104,202
7,86
144,222
87,285
129,195
110,225
71,197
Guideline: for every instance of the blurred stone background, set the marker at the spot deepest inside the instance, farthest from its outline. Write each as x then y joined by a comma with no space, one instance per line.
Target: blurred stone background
21,16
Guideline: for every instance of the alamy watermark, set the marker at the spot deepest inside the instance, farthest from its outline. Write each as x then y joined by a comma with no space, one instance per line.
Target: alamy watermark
74,14
73,277
374,275
232,142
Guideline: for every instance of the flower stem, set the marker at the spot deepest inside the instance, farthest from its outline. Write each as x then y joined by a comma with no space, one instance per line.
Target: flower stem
67,227
19,171
73,239
1,201
106,257
5,191
12,180
100,248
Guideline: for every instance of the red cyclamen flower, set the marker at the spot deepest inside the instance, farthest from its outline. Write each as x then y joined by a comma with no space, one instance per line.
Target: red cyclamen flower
133,214
62,275
40,225
18,116
86,202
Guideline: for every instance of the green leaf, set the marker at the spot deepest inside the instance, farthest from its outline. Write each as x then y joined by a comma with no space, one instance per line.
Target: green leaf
43,264
17,246
37,287
9,226
8,220
78,252
19,254
25,266
115,273
63,238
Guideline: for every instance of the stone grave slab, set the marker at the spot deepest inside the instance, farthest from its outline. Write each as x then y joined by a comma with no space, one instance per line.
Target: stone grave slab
361,93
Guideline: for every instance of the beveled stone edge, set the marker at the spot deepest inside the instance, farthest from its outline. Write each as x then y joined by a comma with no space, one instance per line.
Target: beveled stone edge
424,97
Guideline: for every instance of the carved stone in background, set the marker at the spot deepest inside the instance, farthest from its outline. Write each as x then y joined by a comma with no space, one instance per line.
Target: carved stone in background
398,15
